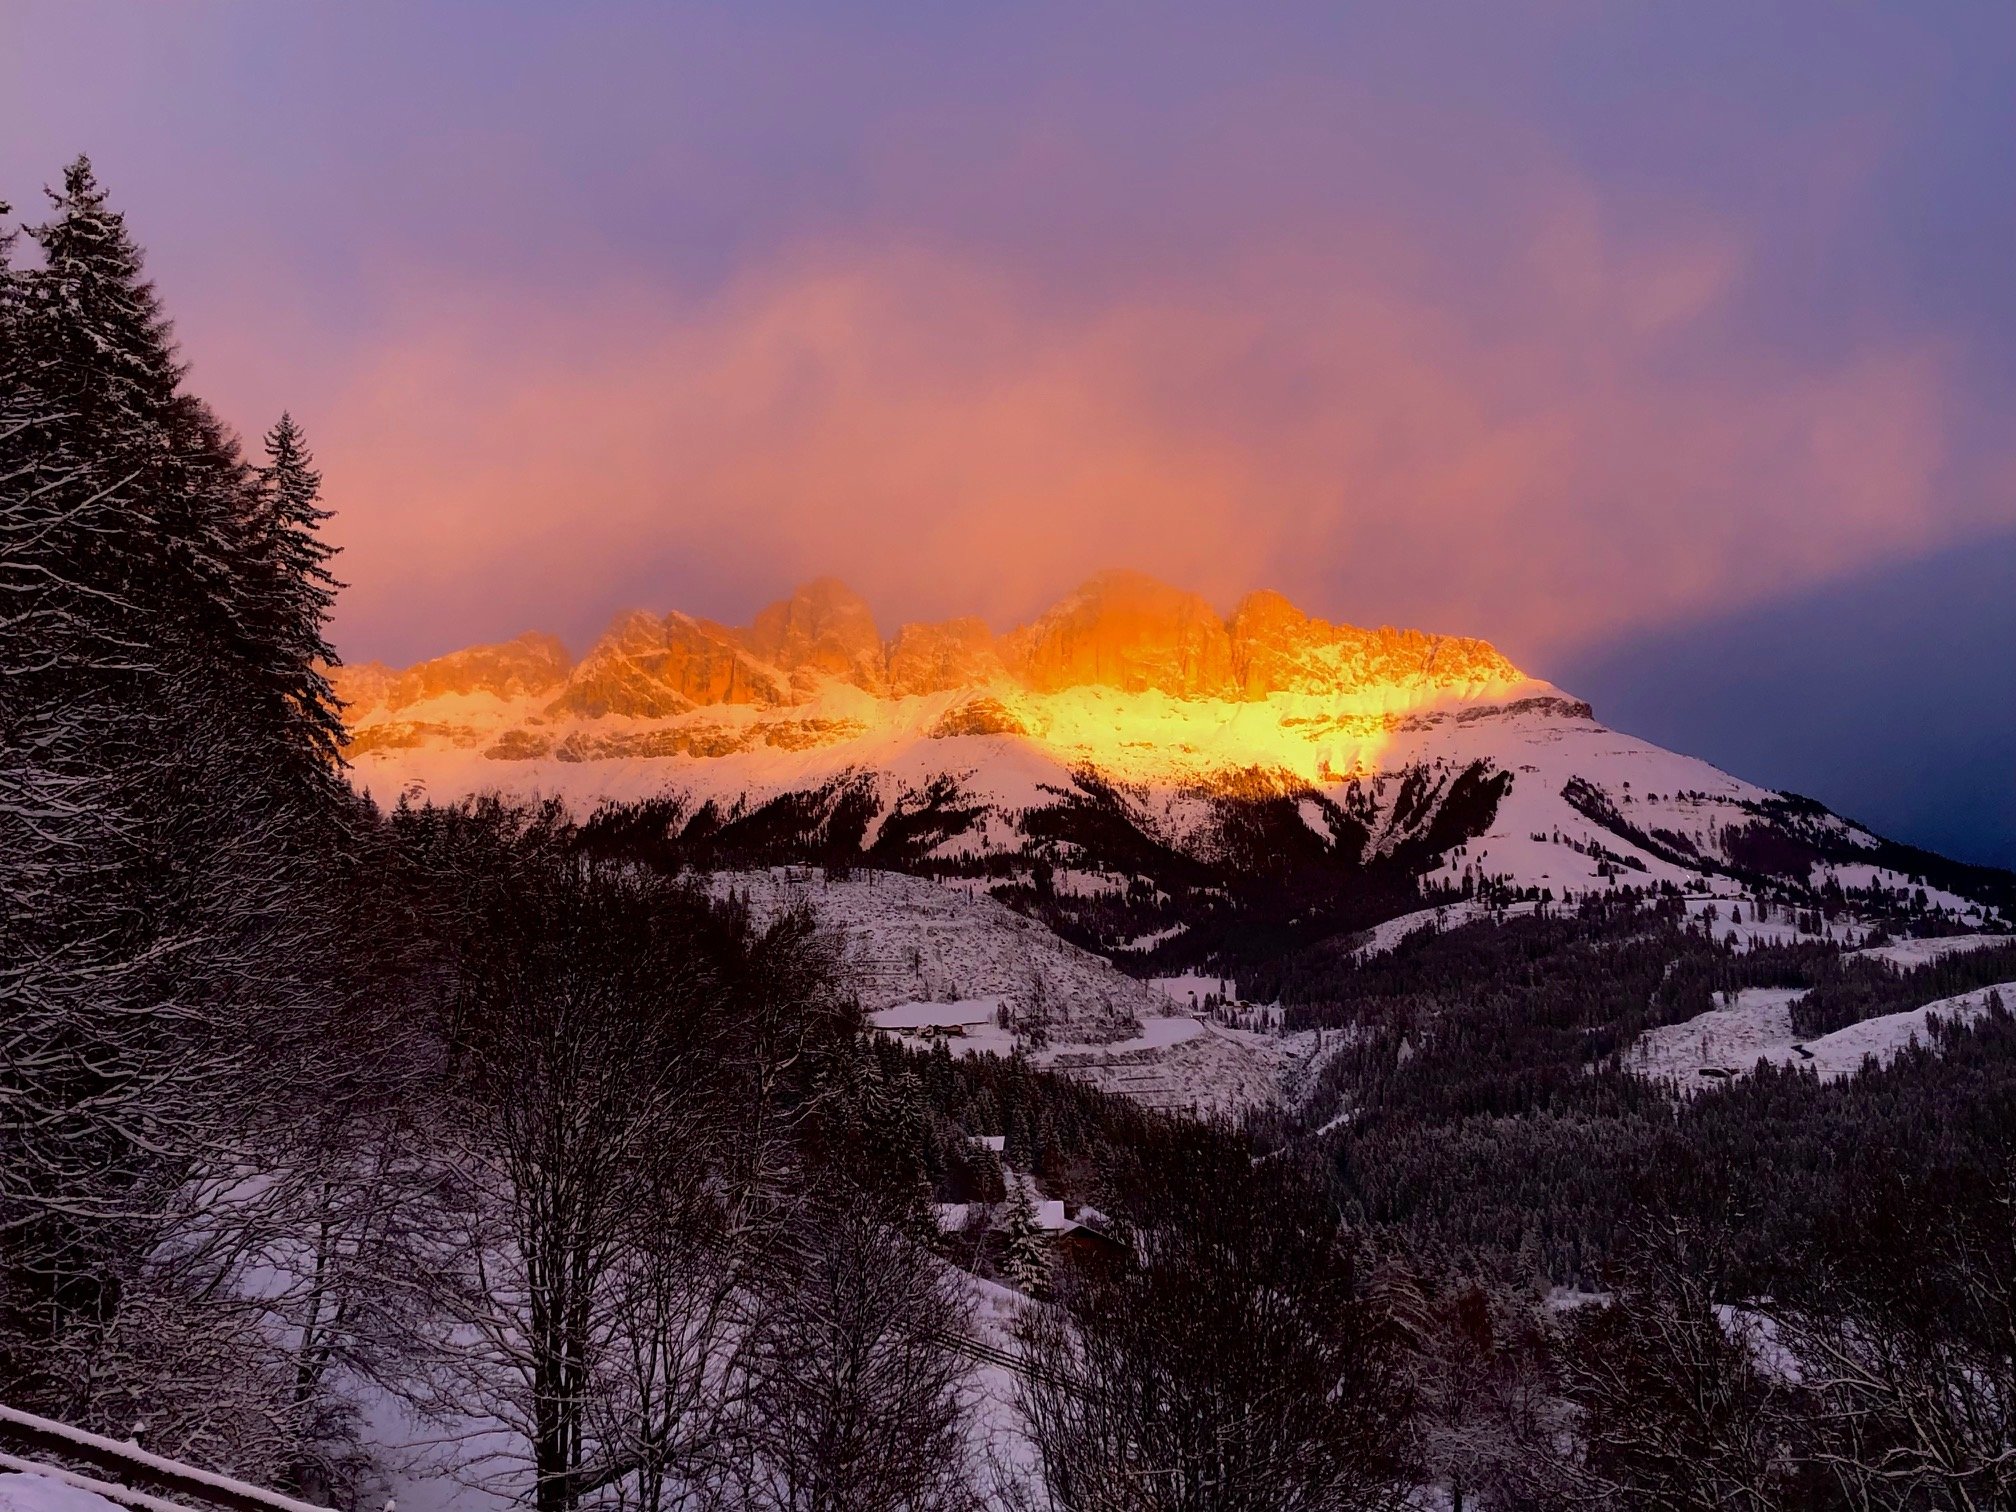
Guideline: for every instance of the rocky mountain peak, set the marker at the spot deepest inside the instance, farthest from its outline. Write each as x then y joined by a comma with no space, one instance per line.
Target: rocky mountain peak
823,629
1279,649
531,663
1126,631
647,667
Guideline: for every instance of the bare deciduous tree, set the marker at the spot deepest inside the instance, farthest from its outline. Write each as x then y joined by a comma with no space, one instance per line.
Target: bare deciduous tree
1672,1407
857,1402
1236,1365
1905,1340
582,1065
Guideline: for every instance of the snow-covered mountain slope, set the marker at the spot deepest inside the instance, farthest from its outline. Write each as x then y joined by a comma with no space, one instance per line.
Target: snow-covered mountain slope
1752,1023
1125,759
1905,954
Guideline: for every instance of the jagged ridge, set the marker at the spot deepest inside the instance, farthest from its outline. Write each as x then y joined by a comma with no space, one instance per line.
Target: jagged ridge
1121,631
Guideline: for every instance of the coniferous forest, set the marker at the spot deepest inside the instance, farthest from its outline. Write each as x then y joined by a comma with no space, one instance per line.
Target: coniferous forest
318,1118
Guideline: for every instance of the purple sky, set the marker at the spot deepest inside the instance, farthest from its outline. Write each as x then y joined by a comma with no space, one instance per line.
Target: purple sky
1597,329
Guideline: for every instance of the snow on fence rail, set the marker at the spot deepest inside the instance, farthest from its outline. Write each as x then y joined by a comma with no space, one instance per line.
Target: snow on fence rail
134,1468
131,1468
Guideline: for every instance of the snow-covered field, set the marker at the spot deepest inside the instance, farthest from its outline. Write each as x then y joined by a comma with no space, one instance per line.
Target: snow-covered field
1735,914
1177,1062
1763,922
933,960
1205,1069
1729,1038
1906,954
1757,1026
1842,1053
1865,878
1384,937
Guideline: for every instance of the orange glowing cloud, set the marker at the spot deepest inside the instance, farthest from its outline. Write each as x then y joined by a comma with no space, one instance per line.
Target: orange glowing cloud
1588,448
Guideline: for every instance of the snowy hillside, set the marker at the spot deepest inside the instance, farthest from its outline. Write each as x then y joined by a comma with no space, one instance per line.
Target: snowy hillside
1908,953
909,940
943,961
1731,1039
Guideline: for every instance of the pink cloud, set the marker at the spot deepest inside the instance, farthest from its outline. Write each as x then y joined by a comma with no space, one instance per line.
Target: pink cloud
949,438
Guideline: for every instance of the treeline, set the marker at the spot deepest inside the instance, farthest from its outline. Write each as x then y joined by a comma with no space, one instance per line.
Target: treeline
1847,992
1878,1377
1796,1298
1782,1293
1260,883
1490,1113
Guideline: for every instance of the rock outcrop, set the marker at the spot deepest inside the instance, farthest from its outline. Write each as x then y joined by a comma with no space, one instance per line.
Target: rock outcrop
944,658
822,630
1276,648
648,667
1127,632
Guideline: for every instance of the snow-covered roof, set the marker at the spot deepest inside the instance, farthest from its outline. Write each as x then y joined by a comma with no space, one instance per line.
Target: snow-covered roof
970,1013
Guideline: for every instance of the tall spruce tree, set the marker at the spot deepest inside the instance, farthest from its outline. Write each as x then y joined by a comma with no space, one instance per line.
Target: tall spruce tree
84,394
297,592
155,516
89,654
106,366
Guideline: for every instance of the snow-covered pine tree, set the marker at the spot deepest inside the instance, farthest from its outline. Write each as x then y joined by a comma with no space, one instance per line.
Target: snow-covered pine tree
1026,1258
153,492
12,354
89,378
105,363
74,446
165,920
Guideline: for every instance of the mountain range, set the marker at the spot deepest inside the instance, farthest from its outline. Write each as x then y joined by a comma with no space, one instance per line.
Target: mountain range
1154,777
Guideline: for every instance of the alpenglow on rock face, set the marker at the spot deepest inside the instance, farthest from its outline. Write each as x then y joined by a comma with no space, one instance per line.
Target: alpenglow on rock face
1121,631
1105,752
